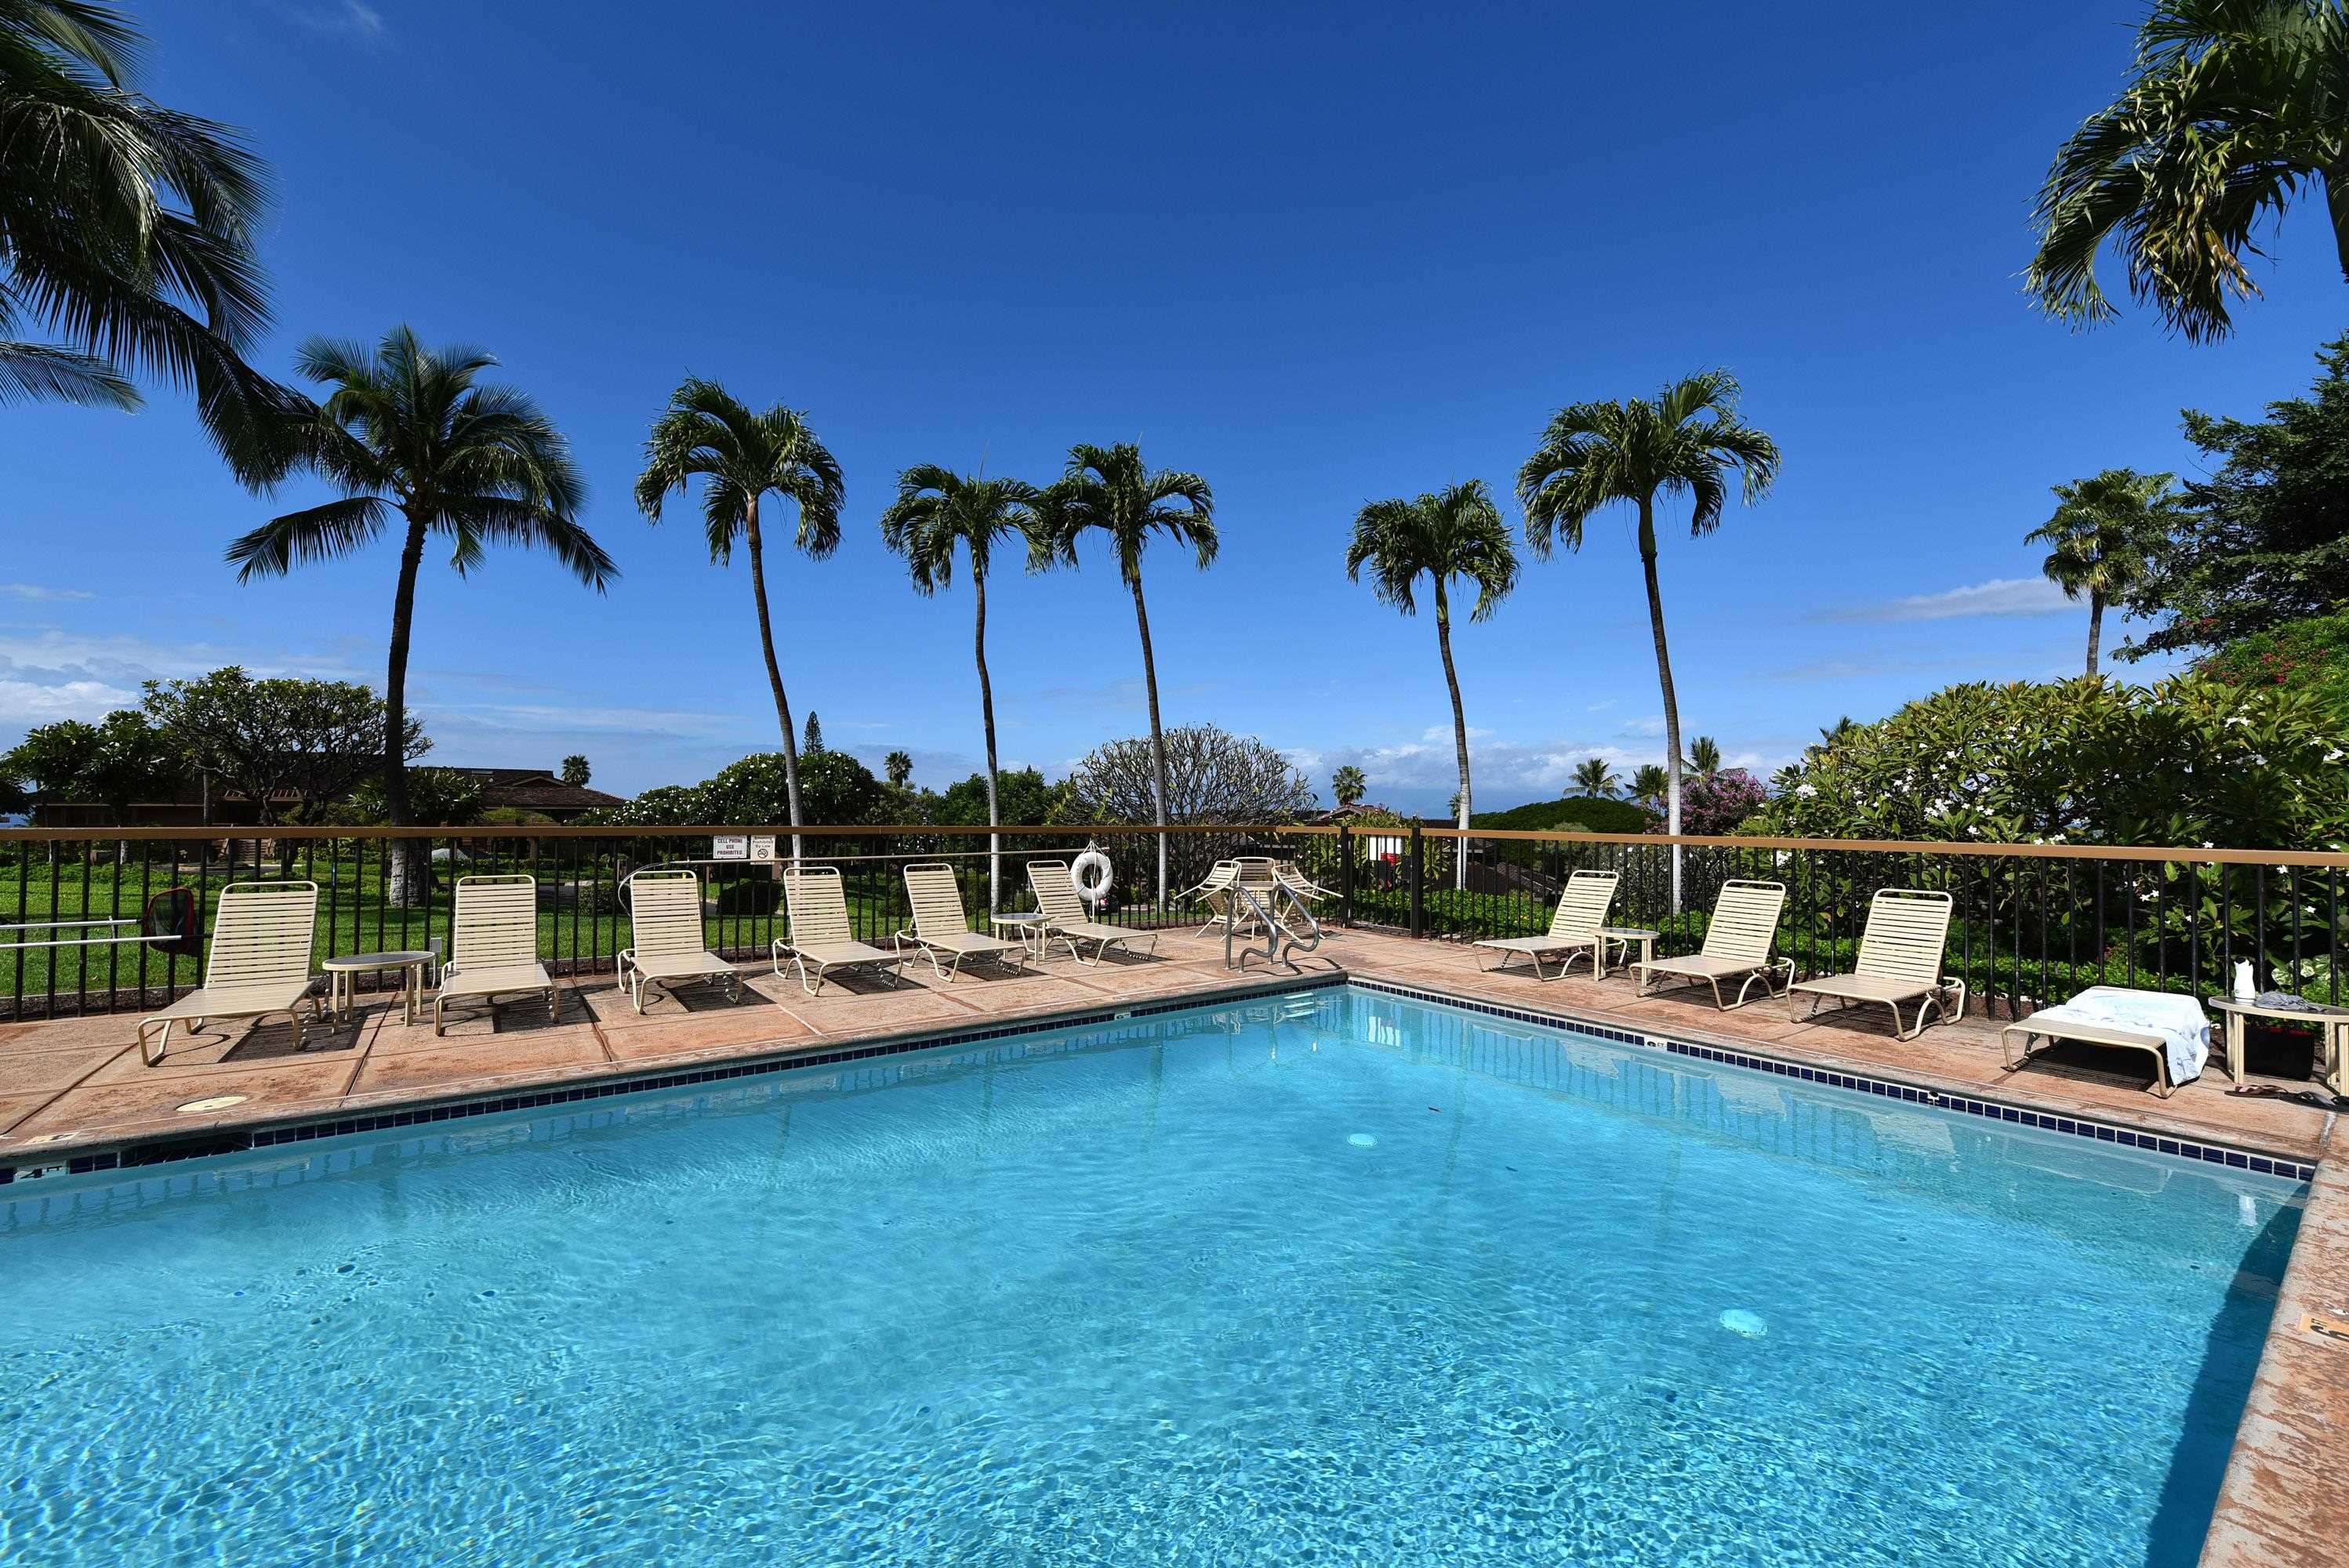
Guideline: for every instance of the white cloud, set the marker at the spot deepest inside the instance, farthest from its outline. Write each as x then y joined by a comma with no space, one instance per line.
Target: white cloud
1999,596
349,18
1441,734
36,593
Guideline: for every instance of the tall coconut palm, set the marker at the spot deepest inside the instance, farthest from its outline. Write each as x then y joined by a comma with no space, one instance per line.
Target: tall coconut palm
1705,756
1649,783
1594,778
937,509
742,458
128,231
1453,532
899,766
2234,107
2103,535
1109,488
1687,440
412,434
1347,784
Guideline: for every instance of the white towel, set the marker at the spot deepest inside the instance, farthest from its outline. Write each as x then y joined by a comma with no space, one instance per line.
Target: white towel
2180,1022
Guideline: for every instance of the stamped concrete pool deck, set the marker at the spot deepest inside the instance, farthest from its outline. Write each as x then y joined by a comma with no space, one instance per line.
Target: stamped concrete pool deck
74,1087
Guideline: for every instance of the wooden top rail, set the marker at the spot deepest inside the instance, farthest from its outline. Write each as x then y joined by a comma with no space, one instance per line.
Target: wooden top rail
2170,854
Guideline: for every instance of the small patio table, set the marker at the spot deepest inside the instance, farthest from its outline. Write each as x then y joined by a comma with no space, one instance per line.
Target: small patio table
2333,1021
1025,927
1623,937
341,973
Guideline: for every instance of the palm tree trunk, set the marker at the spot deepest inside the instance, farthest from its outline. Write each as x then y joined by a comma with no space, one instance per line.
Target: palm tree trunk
1157,735
1459,730
404,872
2336,203
1664,678
986,721
756,547
2095,627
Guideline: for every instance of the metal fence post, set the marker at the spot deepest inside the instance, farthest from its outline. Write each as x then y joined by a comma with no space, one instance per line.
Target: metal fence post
1418,885
1345,874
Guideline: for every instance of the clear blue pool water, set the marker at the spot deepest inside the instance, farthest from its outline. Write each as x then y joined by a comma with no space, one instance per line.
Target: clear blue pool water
1339,1279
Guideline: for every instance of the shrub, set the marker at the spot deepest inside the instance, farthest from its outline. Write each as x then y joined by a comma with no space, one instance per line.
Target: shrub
1575,813
1718,802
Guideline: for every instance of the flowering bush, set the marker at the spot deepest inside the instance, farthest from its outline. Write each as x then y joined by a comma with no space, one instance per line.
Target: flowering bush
2191,761
1717,802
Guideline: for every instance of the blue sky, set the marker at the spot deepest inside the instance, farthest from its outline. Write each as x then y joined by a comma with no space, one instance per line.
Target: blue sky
1320,255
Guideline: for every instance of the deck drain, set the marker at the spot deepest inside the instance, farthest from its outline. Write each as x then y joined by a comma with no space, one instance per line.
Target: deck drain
217,1102
1737,1320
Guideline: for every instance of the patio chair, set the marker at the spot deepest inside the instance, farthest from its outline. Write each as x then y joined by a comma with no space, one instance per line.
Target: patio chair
1065,920
493,946
665,931
940,925
822,933
1900,960
1215,890
1737,943
257,966
1290,876
1573,926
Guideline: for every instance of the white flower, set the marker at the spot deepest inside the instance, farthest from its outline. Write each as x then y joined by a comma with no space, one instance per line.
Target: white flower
1805,791
2334,755
2239,719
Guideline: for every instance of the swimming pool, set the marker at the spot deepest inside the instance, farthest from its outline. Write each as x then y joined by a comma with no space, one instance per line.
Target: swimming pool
1333,1277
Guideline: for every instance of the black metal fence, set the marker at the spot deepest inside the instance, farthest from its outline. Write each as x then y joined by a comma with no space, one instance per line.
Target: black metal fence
2032,924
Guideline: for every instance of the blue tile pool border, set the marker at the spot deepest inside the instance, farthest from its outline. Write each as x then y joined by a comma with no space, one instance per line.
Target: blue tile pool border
170,1148
2208,1153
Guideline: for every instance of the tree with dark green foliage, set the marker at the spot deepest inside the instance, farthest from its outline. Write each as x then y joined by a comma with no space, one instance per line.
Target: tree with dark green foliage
2267,540
1024,799
1110,490
812,742
115,763
2104,531
1687,440
575,771
1348,785
2235,107
899,765
1453,532
1649,783
742,458
309,742
414,439
1705,756
128,231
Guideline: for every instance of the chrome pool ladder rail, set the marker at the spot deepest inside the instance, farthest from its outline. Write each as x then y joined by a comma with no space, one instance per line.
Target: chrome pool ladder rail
1281,939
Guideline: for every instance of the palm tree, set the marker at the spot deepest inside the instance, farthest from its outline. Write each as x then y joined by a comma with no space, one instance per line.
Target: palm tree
1595,779
2103,534
740,458
412,432
1649,783
2234,107
1108,488
1348,785
1705,756
1686,441
936,511
899,766
1454,532
129,231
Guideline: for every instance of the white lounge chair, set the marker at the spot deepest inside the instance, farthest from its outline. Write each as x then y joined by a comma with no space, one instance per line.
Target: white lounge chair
1900,960
940,925
1573,926
822,933
257,966
493,946
2172,1028
1737,942
666,941
1064,917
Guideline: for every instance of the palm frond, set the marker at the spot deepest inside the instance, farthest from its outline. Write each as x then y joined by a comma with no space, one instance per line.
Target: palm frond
42,372
327,532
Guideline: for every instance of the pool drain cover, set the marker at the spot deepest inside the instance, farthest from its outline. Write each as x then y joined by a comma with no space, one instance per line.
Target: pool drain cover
217,1102
1737,1320
1363,1141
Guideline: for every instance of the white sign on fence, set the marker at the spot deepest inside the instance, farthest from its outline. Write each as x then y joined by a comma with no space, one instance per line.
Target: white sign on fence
730,846
763,846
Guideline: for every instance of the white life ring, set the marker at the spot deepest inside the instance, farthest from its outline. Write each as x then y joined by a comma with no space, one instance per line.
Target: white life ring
1092,875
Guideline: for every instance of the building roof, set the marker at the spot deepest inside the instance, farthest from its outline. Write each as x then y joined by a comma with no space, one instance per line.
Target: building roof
535,790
